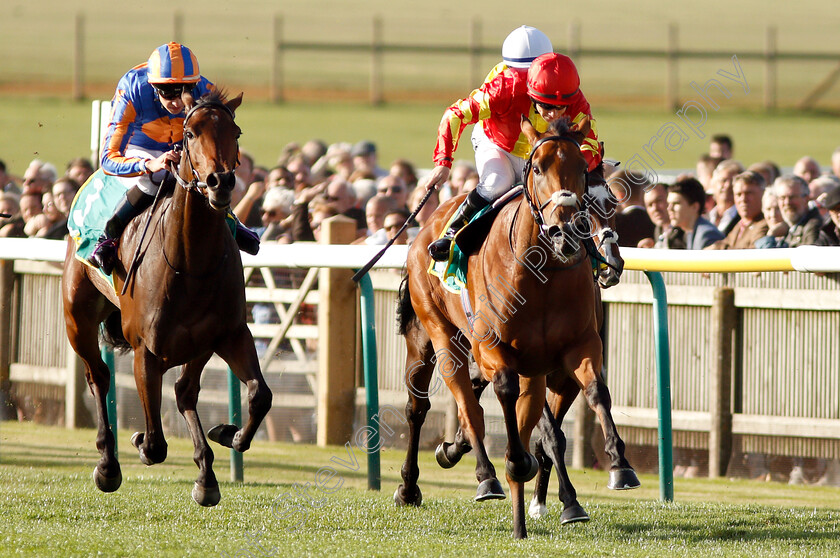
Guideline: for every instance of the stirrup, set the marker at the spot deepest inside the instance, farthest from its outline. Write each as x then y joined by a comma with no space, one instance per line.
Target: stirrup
104,255
440,248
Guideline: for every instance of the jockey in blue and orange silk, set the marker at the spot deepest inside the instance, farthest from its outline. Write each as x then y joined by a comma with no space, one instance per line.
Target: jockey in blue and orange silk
544,93
145,128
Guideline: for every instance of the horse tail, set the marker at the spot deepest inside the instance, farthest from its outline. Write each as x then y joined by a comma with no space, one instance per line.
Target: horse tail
112,333
405,311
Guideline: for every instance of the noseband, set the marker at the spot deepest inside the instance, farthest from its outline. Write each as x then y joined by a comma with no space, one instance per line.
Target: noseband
561,198
196,182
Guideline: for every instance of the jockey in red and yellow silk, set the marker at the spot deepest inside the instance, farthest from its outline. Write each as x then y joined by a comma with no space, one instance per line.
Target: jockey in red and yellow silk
498,106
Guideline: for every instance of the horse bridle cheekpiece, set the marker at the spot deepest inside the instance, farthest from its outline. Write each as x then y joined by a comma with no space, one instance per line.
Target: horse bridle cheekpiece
560,198
196,181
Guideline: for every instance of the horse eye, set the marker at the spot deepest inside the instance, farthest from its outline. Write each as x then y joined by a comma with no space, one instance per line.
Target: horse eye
188,134
537,170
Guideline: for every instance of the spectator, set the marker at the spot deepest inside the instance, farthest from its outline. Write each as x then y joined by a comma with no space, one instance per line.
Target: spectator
835,162
12,226
686,199
804,222
748,188
807,168
777,228
30,207
375,211
721,146
63,192
79,169
7,184
428,209
38,177
300,170
632,222
830,232
320,210
280,177
819,186
365,189
768,170
394,187
405,170
365,160
656,205
461,172
341,194
392,223
705,167
313,152
724,215
276,208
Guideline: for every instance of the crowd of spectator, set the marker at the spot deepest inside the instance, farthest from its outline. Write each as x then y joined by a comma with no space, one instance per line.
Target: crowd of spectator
722,205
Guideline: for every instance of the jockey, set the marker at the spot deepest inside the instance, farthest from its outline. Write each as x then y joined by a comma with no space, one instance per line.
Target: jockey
544,93
146,127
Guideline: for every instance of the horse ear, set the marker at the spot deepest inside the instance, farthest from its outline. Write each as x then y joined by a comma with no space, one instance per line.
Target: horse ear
529,130
188,99
234,103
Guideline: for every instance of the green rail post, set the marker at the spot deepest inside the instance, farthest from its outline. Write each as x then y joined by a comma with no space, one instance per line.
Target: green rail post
235,415
371,380
663,386
111,398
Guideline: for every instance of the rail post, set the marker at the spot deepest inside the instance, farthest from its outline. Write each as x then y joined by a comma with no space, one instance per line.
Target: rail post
663,386
7,289
371,380
720,382
237,467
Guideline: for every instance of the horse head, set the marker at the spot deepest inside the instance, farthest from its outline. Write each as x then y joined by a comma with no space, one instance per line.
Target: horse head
555,183
211,147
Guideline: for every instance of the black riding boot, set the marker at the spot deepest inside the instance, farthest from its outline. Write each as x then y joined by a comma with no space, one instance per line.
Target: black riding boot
105,254
439,249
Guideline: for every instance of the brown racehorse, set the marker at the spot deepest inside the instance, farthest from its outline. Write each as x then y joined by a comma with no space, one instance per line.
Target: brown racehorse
185,302
536,324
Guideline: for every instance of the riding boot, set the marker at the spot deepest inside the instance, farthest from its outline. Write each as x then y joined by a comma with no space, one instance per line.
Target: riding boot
247,240
104,255
439,249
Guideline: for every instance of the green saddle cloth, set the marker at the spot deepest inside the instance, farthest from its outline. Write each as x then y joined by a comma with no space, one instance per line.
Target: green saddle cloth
453,272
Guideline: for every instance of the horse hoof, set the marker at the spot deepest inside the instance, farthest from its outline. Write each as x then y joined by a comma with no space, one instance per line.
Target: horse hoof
442,459
574,514
206,496
623,479
137,439
106,484
490,489
525,472
537,509
403,498
223,434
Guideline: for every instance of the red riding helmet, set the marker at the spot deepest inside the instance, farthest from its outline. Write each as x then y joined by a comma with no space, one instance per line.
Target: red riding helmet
553,79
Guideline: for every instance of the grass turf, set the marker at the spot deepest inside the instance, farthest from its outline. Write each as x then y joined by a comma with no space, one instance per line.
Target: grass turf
51,508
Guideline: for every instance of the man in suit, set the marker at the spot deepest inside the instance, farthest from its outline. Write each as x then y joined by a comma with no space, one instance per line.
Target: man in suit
748,189
686,199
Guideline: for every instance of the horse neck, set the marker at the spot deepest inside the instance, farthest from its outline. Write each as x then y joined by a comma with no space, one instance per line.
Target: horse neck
193,233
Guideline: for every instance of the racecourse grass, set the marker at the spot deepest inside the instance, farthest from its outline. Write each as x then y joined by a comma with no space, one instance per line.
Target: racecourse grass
49,507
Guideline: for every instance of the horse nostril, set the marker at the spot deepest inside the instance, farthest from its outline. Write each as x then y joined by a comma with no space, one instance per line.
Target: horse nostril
213,180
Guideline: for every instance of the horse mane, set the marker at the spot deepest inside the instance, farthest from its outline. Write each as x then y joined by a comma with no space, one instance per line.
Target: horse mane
214,97
560,127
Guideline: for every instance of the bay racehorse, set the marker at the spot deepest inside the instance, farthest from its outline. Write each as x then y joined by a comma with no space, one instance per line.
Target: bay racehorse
534,322
184,302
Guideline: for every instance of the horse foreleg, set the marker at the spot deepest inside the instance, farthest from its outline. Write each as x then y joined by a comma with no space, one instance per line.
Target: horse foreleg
83,336
239,353
148,376
418,375
206,489
622,475
552,445
449,454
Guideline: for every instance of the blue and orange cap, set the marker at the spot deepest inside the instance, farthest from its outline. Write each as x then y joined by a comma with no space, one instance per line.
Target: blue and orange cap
173,63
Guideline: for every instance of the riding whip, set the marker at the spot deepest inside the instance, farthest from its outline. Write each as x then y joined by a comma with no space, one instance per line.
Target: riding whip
133,265
361,273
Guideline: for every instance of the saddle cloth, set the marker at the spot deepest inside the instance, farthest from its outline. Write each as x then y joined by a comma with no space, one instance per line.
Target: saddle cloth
93,205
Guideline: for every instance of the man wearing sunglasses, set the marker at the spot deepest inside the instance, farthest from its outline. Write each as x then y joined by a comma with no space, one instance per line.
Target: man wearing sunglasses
146,126
516,87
